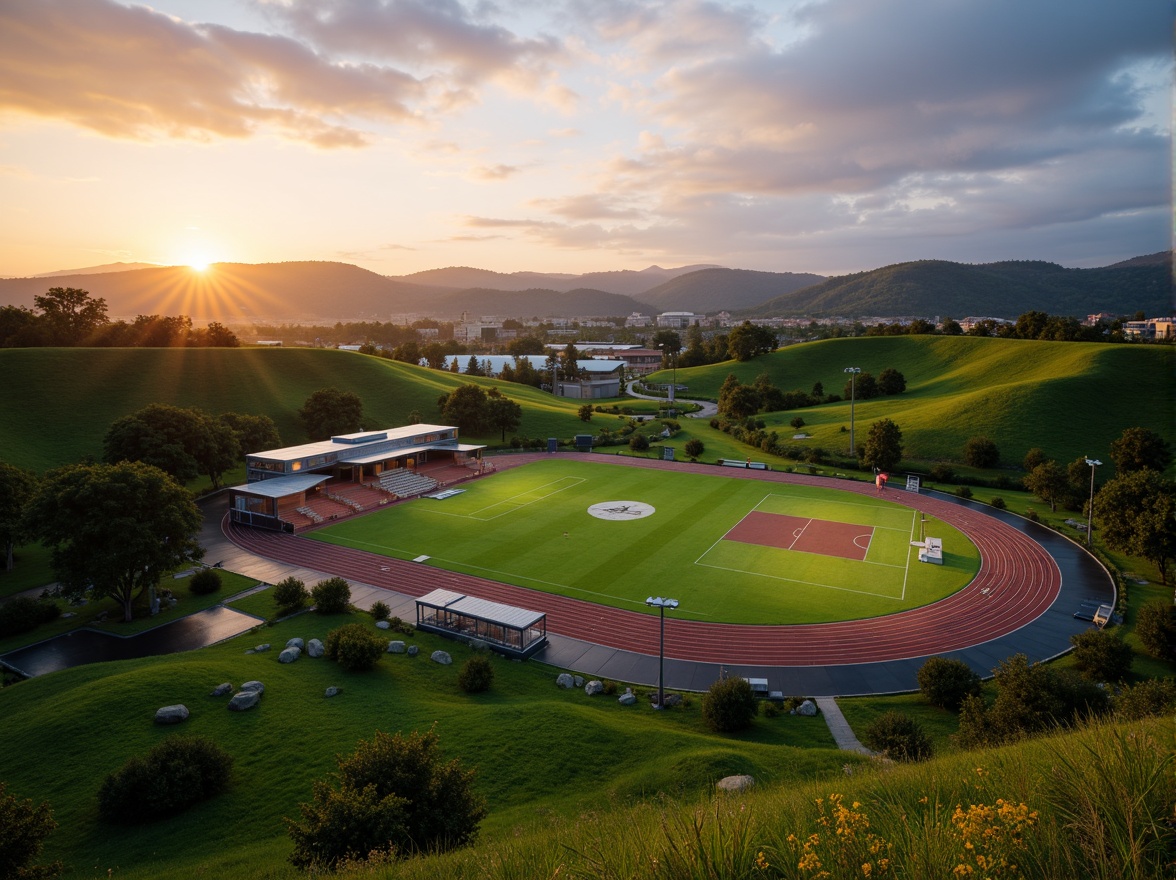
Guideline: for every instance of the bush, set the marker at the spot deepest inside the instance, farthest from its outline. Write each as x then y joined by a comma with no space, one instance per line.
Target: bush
395,795
22,615
694,448
942,473
205,582
1100,655
331,596
26,825
963,492
355,647
1156,627
981,452
998,503
729,705
380,610
947,683
898,737
177,773
638,443
290,594
476,675
1148,698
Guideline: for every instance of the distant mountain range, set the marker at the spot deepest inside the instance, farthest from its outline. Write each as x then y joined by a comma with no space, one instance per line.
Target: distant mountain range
328,291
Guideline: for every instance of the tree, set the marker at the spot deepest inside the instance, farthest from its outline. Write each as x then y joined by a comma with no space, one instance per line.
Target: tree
254,433
864,386
569,362
638,443
1140,448
17,487
466,407
891,381
290,594
1155,624
473,368
114,529
159,435
750,340
741,402
883,448
26,825
668,341
1101,655
729,705
395,795
694,447
69,314
797,423
1048,482
981,452
331,596
215,448
585,412
407,352
329,412
1033,458
1136,513
502,412
947,683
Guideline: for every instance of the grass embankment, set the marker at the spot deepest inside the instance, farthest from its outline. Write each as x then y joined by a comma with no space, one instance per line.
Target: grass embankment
546,756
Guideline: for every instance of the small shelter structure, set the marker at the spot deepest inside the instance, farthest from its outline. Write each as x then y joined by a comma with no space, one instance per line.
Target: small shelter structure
516,632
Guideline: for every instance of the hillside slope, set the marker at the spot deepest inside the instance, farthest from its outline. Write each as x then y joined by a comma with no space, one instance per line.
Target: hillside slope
709,290
625,282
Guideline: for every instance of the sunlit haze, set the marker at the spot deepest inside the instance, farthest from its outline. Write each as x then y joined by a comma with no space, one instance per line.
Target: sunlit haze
583,135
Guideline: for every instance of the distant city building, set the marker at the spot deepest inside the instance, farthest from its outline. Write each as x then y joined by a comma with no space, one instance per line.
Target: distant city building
1095,320
678,320
638,320
1152,328
971,321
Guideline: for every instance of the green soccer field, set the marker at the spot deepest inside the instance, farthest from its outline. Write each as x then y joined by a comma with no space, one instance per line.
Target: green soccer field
531,527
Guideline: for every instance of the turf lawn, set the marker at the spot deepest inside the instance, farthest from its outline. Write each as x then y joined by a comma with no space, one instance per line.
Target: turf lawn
530,527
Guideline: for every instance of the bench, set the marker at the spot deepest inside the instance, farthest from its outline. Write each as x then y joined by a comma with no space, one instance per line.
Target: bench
735,462
932,551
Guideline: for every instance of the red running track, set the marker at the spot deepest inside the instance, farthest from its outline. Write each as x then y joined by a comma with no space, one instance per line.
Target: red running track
1017,582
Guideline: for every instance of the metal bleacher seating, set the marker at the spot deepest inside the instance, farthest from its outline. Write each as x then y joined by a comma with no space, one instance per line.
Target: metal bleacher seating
405,483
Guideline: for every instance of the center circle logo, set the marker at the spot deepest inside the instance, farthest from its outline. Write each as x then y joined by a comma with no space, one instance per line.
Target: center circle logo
621,510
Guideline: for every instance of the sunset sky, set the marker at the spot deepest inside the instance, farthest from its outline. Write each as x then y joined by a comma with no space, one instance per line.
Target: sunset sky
583,135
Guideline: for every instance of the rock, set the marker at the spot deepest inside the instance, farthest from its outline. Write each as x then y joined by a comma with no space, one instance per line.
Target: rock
413,650
289,655
808,707
593,688
578,681
101,618
222,690
672,700
332,691
260,648
478,645
396,647
250,651
441,657
627,699
253,686
296,643
564,680
314,648
244,700
171,714
383,624
735,783
68,615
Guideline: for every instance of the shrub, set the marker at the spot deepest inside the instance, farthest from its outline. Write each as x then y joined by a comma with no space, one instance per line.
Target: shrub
177,773
694,448
380,611
331,596
394,795
1032,515
610,687
355,647
26,825
476,675
898,737
981,452
947,683
205,582
22,615
998,503
638,443
770,709
290,594
942,473
963,492
729,705
1148,698
1156,627
1100,655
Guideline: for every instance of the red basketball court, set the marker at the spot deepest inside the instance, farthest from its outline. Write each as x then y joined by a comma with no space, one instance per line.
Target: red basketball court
846,540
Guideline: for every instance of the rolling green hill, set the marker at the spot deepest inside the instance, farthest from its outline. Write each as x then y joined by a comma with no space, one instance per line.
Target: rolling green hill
1070,399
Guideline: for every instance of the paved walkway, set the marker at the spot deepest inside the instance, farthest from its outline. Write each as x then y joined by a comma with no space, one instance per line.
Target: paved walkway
839,727
707,408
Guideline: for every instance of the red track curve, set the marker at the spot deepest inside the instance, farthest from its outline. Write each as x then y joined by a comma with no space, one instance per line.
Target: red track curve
1017,582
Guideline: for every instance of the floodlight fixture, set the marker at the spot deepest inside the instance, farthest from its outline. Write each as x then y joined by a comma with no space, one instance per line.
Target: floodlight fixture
661,604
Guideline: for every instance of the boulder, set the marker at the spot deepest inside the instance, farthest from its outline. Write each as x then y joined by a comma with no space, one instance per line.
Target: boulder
289,655
808,707
67,615
332,691
564,680
260,648
593,688
314,648
672,700
253,686
578,681
441,657
296,643
244,700
171,714
413,650
383,624
735,783
396,647
222,690
627,699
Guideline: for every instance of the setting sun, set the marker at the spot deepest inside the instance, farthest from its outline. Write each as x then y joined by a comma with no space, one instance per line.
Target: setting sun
198,265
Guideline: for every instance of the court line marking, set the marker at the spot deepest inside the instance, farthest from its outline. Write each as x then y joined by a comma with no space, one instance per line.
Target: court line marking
571,483
800,499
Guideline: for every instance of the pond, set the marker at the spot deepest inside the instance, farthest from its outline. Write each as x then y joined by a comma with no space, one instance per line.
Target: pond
91,646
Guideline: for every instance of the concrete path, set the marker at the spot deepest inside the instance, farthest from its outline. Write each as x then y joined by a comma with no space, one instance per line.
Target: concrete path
708,408
839,727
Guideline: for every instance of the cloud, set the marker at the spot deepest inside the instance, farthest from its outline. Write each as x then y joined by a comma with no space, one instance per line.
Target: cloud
495,172
589,207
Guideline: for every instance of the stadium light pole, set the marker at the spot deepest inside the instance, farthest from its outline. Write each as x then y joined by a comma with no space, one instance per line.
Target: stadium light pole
853,371
662,605
1093,462
673,355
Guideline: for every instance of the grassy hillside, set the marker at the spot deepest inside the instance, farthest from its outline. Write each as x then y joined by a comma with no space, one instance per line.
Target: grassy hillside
61,402
1070,399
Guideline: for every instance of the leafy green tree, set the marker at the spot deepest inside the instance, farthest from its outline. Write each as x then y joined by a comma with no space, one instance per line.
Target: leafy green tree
569,365
864,387
502,412
1136,513
473,368
397,795
467,407
891,381
25,825
215,448
981,452
434,355
638,443
1139,449
159,435
1155,625
668,341
1145,699
741,402
255,433
407,352
217,335
330,412
70,314
17,487
897,736
524,345
1049,482
20,327
585,412
1033,458
883,449
331,596
749,340
946,683
797,423
290,594
114,528
1101,655
729,705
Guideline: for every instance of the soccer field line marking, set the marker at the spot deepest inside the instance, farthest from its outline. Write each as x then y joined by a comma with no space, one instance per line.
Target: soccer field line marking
803,583
799,501
571,483
910,550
